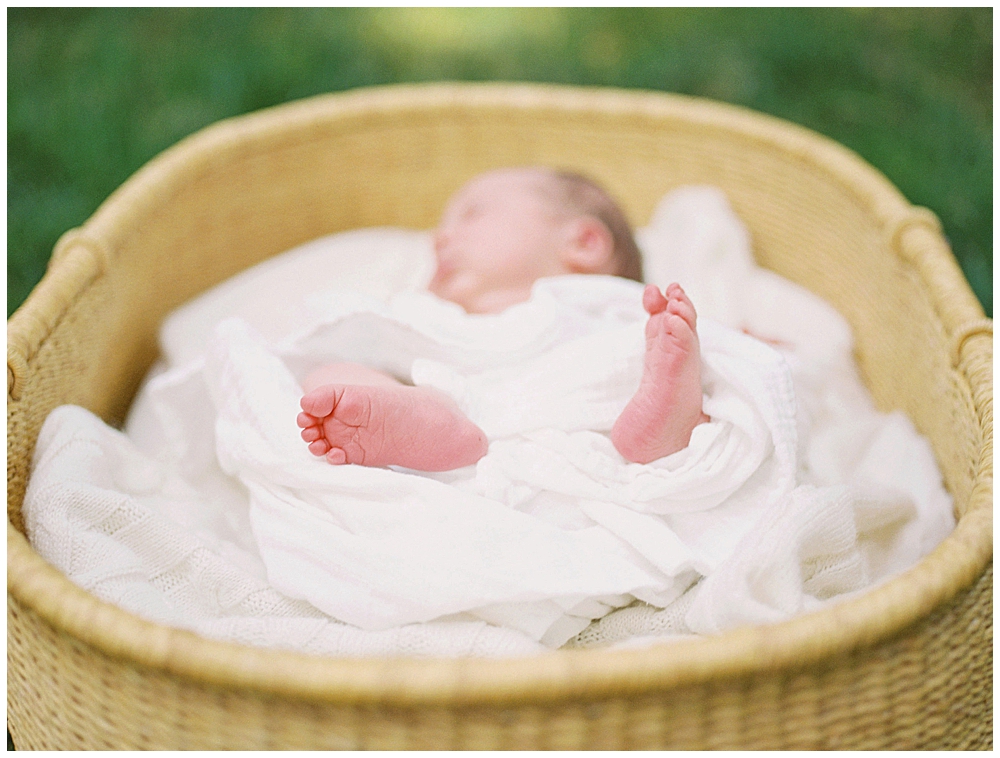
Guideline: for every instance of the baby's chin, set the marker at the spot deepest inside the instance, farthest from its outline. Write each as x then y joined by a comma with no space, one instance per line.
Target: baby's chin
473,298
456,288
495,301
446,290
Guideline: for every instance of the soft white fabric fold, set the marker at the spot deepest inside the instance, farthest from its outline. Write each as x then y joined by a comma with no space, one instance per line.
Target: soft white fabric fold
379,548
132,531
212,515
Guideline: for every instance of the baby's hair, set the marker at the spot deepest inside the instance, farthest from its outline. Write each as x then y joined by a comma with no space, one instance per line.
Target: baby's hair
582,195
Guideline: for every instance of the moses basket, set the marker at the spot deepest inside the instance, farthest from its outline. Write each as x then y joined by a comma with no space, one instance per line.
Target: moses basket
907,665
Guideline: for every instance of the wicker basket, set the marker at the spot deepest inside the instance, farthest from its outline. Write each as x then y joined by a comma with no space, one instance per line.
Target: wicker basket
908,665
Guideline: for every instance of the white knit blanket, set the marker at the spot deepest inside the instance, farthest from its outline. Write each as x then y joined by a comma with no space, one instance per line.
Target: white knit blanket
210,514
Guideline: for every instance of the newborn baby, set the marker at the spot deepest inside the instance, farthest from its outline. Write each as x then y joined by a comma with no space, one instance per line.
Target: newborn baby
499,234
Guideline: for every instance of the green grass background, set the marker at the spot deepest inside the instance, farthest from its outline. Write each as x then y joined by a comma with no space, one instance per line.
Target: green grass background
92,94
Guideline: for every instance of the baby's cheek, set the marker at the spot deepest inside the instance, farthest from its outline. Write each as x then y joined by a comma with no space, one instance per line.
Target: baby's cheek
521,262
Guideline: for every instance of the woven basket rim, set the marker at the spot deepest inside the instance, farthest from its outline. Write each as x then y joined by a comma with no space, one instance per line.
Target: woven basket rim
850,625
869,185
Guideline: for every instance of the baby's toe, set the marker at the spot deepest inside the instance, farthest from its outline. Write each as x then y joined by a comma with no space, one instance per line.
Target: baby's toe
674,291
320,402
652,300
683,296
336,456
678,328
305,420
319,447
311,434
681,306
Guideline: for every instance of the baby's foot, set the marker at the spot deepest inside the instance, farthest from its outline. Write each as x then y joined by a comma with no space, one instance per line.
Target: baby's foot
414,427
666,408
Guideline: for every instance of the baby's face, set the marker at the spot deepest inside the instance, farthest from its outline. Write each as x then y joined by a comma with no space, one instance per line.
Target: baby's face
498,235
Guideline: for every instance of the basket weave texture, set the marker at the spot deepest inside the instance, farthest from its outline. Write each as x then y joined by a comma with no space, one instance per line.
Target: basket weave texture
908,665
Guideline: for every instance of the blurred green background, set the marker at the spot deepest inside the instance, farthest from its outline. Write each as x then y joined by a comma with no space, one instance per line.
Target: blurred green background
92,94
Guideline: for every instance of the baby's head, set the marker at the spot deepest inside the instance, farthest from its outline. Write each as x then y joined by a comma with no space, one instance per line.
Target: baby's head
505,229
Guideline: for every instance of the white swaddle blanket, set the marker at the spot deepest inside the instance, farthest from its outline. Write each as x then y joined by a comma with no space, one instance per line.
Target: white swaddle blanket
210,513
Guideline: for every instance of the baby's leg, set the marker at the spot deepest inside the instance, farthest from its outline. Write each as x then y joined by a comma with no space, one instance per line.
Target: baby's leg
354,414
666,408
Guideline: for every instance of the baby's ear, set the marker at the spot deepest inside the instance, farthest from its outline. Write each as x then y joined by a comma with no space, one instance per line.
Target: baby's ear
589,247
